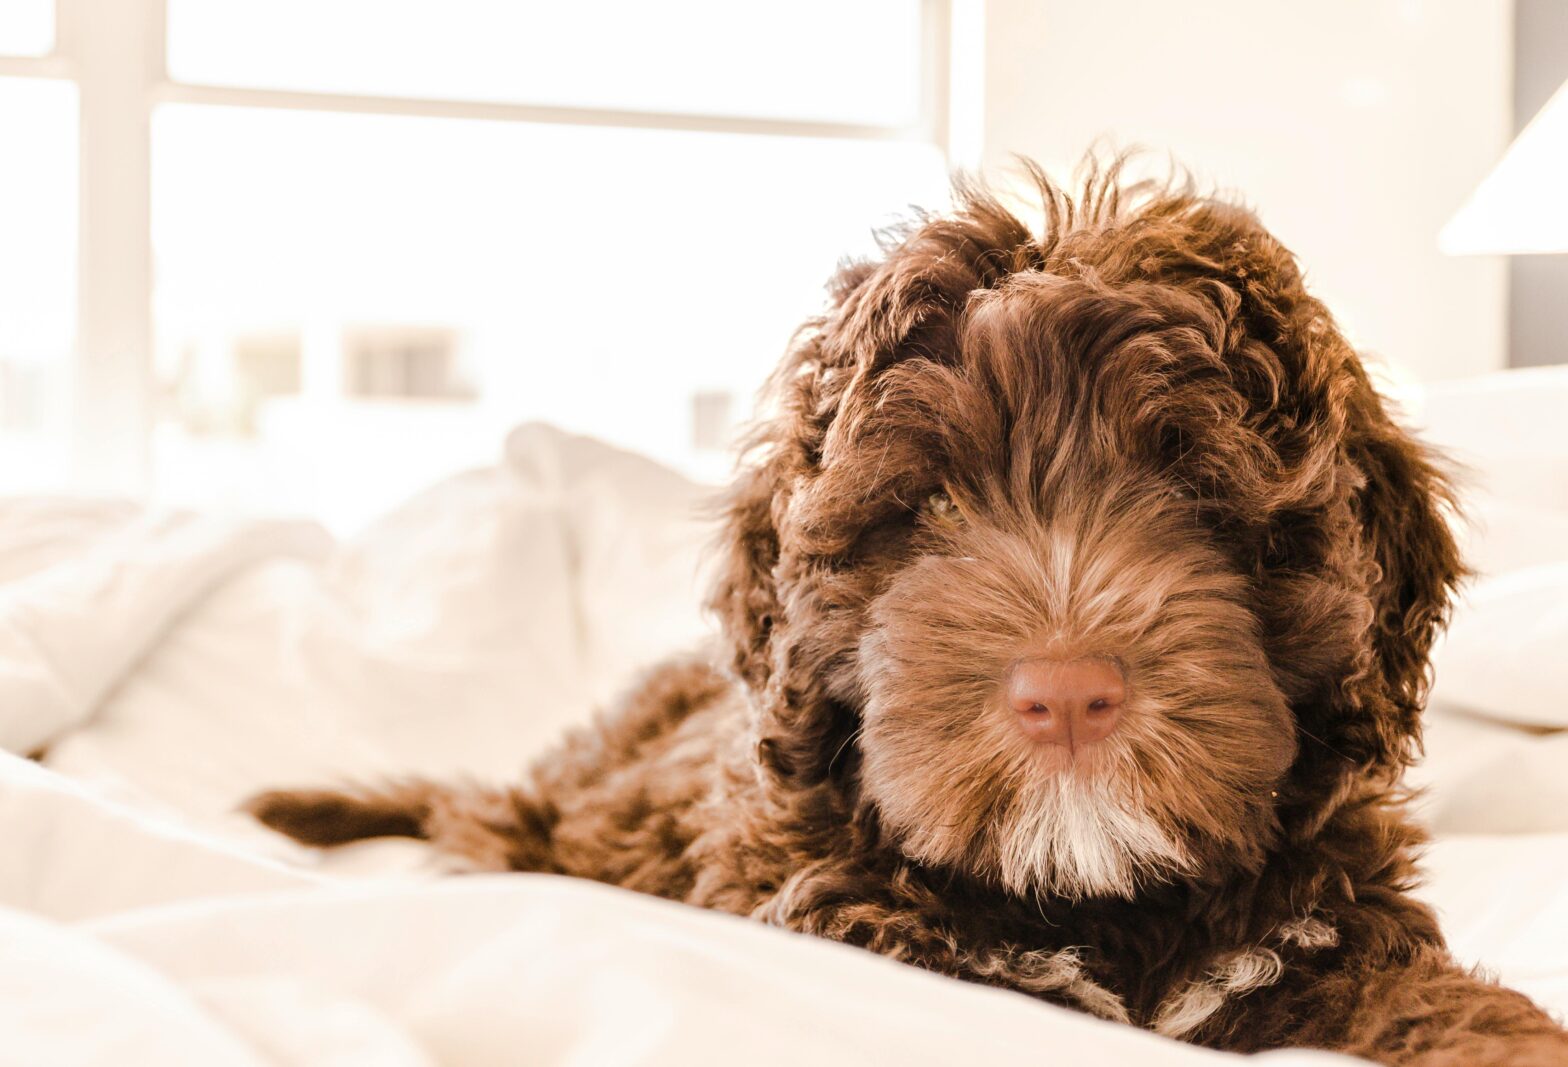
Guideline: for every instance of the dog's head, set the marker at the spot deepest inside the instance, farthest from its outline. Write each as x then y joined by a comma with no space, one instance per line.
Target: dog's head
1086,558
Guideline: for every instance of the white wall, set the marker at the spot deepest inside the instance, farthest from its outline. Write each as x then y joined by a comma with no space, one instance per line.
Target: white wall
1354,127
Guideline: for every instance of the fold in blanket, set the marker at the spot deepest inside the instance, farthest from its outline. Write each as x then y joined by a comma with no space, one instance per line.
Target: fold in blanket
508,969
69,632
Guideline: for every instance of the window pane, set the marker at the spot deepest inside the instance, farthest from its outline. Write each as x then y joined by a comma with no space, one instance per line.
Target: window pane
806,59
26,27
37,279
348,305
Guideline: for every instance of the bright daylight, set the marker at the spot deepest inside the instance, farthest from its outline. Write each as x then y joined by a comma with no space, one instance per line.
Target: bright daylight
674,532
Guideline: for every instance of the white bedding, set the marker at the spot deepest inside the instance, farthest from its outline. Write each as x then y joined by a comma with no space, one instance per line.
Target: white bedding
173,664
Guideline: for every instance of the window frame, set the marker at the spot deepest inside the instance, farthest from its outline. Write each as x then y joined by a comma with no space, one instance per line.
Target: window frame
114,51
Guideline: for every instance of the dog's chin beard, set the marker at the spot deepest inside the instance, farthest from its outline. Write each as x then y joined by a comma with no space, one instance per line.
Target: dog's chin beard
1063,835
1076,836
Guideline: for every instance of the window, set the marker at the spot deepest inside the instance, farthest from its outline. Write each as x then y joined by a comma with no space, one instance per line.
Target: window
378,233
37,278
26,27
406,361
807,59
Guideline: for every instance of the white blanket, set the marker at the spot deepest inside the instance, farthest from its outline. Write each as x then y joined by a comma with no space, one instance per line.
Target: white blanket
174,664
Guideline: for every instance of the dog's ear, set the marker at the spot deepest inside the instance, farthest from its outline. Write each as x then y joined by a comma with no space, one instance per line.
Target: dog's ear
760,569
1382,588
1403,505
744,597
790,511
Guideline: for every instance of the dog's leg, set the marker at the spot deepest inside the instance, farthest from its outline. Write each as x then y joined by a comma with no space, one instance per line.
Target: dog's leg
327,817
487,829
1434,1014
1424,1011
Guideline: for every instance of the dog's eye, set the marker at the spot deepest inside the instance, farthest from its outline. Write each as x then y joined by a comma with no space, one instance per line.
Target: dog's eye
939,507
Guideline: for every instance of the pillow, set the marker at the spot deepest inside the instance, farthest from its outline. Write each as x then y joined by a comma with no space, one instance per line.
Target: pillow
1502,535
1484,777
637,535
1503,653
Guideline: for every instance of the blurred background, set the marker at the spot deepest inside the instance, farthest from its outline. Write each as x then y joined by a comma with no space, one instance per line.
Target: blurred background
306,256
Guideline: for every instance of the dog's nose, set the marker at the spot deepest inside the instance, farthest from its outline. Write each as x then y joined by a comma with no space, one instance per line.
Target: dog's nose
1071,703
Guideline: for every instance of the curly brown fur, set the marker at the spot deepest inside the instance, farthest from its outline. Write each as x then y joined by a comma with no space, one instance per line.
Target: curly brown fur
1132,437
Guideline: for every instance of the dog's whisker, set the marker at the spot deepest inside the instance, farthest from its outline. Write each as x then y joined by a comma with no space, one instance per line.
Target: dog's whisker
850,739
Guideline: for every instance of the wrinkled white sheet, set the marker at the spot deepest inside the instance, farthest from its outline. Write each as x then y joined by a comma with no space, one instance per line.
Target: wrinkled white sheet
70,632
504,970
460,635
174,664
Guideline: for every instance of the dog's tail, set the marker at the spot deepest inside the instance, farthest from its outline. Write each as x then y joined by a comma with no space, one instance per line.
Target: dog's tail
325,817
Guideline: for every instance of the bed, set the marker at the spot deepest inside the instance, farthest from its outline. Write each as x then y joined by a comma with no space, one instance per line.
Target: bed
160,667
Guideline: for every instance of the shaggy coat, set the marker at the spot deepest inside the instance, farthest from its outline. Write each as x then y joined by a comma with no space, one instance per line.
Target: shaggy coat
1131,439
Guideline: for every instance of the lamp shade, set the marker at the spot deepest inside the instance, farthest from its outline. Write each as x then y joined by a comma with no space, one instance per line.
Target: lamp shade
1522,205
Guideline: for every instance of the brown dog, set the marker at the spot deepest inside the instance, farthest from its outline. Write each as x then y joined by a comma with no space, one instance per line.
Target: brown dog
1077,607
